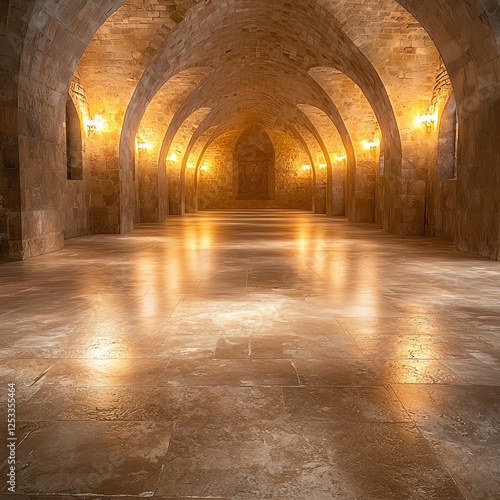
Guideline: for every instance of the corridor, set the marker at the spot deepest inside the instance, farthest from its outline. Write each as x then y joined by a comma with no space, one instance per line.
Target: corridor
253,355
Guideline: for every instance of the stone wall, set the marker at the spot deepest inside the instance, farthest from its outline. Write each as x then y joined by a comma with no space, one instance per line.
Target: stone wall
10,183
293,185
442,187
76,200
151,159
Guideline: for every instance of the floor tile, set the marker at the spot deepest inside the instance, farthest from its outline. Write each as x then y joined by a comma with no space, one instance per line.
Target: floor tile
232,348
229,372
105,372
209,404
333,372
474,371
419,371
344,404
468,414
303,460
92,457
104,403
356,365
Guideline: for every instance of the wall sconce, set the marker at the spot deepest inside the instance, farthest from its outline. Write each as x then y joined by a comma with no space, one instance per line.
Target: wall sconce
341,159
322,166
142,145
371,145
204,168
174,157
96,124
306,168
428,120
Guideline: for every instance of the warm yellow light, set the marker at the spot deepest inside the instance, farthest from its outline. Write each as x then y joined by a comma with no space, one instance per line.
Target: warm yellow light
174,157
371,144
322,166
428,120
96,124
204,168
191,165
143,144
341,158
306,167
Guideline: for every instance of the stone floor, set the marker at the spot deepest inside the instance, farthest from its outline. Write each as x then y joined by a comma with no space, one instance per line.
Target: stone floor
253,355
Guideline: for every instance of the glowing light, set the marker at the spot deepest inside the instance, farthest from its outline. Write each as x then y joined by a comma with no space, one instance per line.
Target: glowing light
340,158
96,124
306,168
204,168
322,166
141,144
191,165
174,157
428,120
370,145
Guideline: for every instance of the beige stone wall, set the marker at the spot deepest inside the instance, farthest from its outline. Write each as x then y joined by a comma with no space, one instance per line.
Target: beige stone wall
294,186
76,199
150,162
336,157
177,148
110,70
442,186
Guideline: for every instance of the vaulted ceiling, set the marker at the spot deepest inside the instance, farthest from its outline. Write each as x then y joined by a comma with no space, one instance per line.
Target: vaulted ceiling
257,58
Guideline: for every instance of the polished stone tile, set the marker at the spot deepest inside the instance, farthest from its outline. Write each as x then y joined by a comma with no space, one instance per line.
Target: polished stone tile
106,372
334,372
474,467
488,355
92,457
303,460
221,403
304,326
300,357
418,346
50,344
133,325
229,372
455,414
28,376
112,346
419,371
104,403
304,347
474,371
232,348
415,325
189,347
343,404
351,306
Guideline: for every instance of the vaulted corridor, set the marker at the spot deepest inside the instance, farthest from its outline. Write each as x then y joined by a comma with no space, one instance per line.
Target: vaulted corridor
254,355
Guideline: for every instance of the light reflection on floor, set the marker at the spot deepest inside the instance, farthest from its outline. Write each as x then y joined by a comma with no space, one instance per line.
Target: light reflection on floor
252,355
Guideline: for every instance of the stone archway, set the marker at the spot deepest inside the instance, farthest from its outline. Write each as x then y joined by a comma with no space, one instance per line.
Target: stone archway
254,166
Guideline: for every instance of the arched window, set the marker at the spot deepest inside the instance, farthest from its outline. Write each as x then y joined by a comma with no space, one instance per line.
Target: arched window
448,142
74,148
